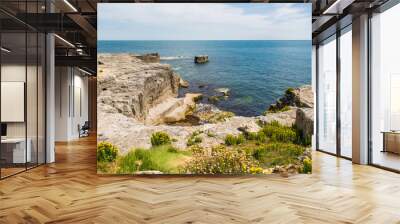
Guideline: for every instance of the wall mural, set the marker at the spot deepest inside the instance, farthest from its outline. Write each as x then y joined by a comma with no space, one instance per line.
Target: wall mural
204,89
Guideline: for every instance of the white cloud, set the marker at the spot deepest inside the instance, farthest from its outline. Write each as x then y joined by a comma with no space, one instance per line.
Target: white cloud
204,21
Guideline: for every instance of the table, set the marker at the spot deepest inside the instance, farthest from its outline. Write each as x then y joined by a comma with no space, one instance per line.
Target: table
391,141
13,150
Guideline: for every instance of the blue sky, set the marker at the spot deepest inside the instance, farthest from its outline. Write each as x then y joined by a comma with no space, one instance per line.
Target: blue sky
251,21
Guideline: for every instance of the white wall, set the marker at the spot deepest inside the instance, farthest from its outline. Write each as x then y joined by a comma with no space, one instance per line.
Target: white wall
70,83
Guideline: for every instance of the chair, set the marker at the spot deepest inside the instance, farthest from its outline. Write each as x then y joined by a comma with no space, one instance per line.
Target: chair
84,130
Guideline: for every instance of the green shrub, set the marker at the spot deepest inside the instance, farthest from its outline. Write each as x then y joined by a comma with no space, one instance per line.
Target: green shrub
194,138
221,160
160,138
279,133
230,140
234,140
289,91
307,165
210,134
106,152
198,139
276,109
277,153
251,135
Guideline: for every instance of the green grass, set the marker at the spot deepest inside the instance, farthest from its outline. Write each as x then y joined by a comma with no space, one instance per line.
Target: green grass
277,153
163,158
279,133
234,140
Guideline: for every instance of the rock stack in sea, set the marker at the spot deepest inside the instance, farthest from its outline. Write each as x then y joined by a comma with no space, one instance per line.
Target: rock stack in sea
200,59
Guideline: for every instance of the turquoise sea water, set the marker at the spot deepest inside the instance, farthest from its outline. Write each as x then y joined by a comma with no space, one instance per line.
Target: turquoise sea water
256,72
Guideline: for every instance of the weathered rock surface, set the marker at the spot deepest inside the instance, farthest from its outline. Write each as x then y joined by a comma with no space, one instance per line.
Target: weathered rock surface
132,86
223,91
295,97
300,102
200,59
305,120
172,109
287,118
128,133
149,58
183,83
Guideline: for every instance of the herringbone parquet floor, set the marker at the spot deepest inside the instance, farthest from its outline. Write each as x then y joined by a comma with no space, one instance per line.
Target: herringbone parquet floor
70,191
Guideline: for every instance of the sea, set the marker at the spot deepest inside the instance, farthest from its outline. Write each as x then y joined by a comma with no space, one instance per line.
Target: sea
257,72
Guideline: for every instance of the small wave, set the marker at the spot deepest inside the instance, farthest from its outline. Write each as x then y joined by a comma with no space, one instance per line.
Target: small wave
173,58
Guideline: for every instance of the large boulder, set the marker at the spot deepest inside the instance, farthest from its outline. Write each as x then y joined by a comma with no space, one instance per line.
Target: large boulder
223,91
200,59
305,121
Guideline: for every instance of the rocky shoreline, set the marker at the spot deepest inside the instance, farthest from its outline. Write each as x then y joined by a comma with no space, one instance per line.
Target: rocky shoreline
138,96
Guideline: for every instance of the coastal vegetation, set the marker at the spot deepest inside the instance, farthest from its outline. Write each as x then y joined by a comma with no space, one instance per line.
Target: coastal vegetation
275,148
160,138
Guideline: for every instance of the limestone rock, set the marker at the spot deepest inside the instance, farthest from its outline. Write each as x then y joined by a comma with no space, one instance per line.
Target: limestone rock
305,121
132,86
286,118
200,59
149,58
294,97
223,91
172,109
183,83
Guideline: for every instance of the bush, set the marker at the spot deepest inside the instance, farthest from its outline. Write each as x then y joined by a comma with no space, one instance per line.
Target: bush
210,134
221,160
234,140
277,153
106,152
276,132
160,138
307,166
251,135
289,91
194,138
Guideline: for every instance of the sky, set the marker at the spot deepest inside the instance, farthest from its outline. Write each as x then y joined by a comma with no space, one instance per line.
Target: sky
199,21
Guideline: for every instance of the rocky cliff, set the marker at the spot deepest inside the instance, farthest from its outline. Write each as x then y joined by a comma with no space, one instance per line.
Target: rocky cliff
131,86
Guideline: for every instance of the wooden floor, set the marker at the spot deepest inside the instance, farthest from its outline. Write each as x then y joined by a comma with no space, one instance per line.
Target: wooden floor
70,191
